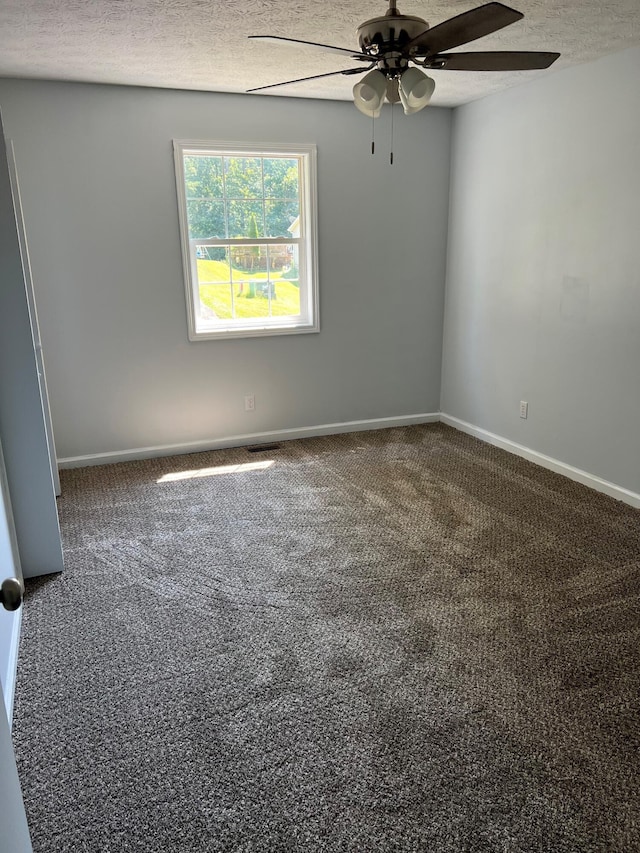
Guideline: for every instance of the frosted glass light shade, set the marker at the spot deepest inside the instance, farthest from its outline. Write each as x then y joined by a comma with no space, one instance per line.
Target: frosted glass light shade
415,90
368,93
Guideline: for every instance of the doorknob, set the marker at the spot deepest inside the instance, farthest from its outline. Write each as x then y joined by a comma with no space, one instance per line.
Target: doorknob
11,594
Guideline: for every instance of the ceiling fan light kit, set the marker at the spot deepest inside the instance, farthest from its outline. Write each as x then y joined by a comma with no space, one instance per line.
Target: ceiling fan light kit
391,46
416,89
370,92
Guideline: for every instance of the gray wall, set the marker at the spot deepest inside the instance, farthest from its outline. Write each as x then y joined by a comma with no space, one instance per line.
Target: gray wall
543,281
98,191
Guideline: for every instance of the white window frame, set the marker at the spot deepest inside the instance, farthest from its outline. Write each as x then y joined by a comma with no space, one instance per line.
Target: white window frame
308,320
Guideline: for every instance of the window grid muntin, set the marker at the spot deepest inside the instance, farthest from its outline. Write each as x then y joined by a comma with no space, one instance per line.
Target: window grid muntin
246,241
226,198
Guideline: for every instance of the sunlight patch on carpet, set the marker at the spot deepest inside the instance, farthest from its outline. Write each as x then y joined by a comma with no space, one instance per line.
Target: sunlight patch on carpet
241,468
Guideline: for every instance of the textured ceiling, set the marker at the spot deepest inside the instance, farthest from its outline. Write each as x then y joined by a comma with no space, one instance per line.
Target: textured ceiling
202,44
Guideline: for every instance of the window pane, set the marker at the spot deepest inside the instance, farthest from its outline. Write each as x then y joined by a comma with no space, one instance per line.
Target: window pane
265,281
206,219
216,302
250,280
282,218
211,253
286,301
243,177
203,176
276,260
245,219
281,178
248,261
212,264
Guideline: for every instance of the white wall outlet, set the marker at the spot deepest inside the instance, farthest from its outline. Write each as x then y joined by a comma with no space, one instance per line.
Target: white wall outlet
250,403
524,409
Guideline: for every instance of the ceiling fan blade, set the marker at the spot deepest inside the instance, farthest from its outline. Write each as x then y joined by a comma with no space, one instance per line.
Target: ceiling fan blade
313,77
464,28
344,51
500,60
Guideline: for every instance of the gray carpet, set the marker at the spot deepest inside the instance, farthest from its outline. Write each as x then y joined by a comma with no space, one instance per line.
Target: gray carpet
402,640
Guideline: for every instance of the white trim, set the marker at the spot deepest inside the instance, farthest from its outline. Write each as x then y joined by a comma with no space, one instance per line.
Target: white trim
252,332
250,149
9,681
590,480
242,440
33,313
247,241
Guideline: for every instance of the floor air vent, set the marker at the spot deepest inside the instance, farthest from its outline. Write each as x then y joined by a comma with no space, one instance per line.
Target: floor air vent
263,448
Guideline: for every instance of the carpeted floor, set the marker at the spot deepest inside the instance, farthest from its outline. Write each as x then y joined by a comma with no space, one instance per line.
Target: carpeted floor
402,640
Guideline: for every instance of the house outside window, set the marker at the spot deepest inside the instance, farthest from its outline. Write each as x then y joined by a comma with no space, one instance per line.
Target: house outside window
248,224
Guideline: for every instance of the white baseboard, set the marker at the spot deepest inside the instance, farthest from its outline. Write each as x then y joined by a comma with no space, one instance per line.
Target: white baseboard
548,462
243,440
10,664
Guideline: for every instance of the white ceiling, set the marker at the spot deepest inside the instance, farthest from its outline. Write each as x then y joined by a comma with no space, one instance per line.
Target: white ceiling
202,44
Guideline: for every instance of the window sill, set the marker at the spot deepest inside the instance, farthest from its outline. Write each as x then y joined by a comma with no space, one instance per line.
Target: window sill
223,334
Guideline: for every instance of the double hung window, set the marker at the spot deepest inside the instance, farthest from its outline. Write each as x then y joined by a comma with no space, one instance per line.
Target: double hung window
248,221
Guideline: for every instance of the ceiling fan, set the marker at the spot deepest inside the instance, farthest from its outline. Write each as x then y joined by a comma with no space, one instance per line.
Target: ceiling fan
393,45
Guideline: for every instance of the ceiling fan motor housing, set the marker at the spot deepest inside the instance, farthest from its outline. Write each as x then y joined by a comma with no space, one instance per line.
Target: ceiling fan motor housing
389,33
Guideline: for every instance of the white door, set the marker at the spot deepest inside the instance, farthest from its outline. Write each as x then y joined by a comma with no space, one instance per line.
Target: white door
14,833
14,837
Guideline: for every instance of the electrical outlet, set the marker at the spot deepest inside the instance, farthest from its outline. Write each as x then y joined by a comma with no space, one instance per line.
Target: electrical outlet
524,409
250,403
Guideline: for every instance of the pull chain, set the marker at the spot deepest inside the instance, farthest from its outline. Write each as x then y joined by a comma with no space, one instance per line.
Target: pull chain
373,134
391,152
